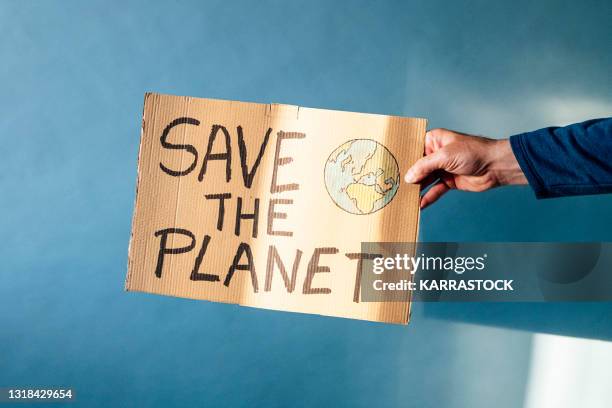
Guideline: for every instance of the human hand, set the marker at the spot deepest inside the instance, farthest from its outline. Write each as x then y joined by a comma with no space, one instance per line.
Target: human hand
464,162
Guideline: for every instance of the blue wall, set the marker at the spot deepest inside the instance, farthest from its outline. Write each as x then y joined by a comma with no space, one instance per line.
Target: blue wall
72,80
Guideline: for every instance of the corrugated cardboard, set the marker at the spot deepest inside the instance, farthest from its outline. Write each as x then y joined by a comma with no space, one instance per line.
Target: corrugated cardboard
300,252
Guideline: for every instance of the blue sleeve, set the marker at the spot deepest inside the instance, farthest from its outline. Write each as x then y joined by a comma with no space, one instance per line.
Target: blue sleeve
570,160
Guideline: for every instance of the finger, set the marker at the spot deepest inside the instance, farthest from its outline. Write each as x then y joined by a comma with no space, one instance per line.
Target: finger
428,180
425,166
434,193
449,180
433,178
436,139
429,143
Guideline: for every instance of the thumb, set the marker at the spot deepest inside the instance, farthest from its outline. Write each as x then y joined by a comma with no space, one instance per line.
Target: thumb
426,165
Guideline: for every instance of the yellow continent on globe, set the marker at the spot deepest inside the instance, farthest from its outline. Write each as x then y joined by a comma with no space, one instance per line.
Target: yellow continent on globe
364,196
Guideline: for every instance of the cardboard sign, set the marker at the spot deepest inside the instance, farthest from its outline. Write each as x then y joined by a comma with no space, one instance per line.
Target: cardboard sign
267,205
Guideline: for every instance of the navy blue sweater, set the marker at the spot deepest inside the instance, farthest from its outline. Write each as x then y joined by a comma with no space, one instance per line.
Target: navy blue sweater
570,160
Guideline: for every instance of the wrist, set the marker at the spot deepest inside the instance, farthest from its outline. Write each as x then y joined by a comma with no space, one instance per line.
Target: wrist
504,166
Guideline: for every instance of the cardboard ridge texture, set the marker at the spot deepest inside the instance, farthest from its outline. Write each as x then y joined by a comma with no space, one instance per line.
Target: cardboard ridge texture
266,205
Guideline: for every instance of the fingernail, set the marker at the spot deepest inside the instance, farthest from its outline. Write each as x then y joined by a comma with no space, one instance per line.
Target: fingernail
409,178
